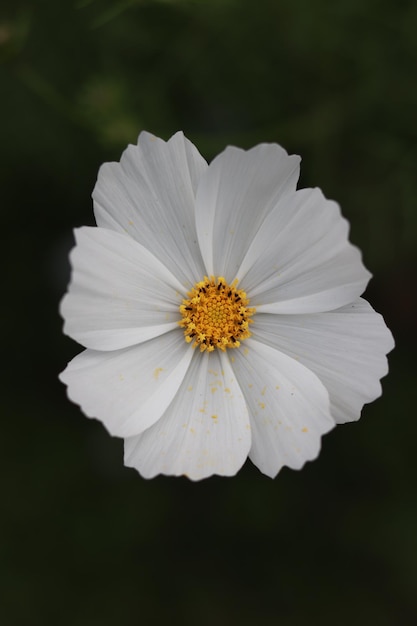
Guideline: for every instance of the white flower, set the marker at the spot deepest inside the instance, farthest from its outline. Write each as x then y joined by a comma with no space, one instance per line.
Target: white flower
220,310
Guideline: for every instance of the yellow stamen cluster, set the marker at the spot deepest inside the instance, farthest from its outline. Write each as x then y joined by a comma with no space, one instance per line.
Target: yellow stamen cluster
215,315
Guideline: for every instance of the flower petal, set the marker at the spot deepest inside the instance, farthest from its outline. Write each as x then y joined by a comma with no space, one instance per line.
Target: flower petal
204,431
345,348
234,196
288,404
128,390
150,195
300,260
119,294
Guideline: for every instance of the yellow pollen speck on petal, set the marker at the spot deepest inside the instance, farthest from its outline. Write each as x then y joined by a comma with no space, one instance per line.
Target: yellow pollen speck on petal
214,417
263,392
216,315
304,430
262,404
157,371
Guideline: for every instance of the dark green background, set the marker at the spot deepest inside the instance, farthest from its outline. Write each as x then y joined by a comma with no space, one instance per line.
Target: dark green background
85,542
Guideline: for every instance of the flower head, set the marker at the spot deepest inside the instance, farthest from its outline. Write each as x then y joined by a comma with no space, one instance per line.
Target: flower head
220,310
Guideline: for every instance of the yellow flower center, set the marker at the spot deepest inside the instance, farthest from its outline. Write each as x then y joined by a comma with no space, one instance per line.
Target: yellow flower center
215,315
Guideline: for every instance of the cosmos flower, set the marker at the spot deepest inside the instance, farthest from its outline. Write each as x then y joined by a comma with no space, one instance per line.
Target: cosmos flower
220,310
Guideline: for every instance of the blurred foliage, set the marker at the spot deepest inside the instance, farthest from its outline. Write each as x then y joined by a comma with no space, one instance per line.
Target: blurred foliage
85,542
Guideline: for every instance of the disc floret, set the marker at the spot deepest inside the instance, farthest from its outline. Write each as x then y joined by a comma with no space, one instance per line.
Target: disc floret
216,315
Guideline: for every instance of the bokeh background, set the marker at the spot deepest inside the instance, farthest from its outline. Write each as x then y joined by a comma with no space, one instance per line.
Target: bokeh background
86,542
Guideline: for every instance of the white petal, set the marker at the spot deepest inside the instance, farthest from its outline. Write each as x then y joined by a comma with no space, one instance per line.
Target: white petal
150,195
204,431
346,348
300,260
128,390
289,407
234,196
119,294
